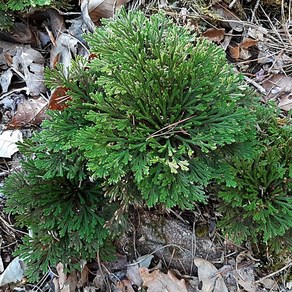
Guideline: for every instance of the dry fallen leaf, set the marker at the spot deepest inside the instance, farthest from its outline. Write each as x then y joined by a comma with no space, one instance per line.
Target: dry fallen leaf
98,9
83,278
279,87
29,112
133,273
66,283
22,33
233,20
5,80
214,34
209,276
13,273
7,142
124,286
7,51
157,281
57,22
244,54
58,99
66,47
234,51
247,43
29,65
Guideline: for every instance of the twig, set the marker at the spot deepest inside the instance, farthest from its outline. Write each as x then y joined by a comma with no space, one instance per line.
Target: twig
194,246
232,4
256,85
274,273
168,128
100,266
167,245
255,9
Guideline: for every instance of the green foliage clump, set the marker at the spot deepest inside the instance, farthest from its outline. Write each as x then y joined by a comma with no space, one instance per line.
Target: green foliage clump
170,104
155,118
258,207
53,195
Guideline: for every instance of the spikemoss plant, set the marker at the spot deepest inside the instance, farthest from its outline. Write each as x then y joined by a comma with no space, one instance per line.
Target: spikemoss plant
170,104
53,194
154,118
258,206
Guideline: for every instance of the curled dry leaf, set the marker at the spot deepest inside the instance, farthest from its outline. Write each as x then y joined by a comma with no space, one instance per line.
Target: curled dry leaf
29,112
240,51
157,281
214,34
13,273
209,276
279,87
234,22
66,47
133,273
98,9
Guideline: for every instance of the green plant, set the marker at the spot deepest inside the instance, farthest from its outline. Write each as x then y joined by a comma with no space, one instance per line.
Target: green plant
154,118
258,206
53,195
170,109
9,8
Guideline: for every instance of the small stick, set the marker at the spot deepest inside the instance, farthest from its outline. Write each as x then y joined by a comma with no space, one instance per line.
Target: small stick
232,4
256,85
274,273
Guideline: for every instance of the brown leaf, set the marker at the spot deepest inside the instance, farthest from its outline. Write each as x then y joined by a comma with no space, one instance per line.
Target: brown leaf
214,34
66,283
58,99
247,43
29,112
158,281
83,277
124,286
234,51
22,34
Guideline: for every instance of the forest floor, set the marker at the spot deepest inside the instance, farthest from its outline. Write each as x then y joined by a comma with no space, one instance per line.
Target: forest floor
182,250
